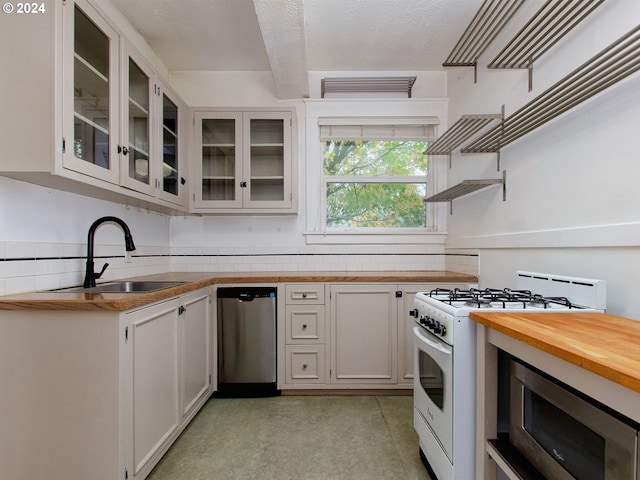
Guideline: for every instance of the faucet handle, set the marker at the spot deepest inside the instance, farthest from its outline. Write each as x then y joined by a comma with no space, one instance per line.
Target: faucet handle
98,275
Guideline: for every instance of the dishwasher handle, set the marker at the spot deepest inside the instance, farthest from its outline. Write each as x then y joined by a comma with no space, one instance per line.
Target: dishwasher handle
247,294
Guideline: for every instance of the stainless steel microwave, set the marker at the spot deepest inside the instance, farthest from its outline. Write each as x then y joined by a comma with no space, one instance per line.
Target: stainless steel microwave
567,437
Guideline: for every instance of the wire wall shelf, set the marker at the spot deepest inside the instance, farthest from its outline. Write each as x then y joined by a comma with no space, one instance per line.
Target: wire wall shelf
458,133
552,22
367,85
611,65
485,25
466,187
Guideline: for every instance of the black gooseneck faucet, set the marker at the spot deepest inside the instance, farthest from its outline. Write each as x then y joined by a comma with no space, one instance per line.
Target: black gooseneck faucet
90,276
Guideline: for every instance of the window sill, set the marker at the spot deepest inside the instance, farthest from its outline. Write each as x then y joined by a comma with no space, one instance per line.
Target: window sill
378,237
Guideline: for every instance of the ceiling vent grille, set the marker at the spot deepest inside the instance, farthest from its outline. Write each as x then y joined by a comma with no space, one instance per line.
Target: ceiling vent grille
342,85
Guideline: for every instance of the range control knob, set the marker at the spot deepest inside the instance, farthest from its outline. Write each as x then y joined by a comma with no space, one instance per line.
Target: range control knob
440,329
413,313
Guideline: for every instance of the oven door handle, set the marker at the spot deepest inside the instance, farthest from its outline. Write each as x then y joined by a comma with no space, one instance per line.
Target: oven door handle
438,346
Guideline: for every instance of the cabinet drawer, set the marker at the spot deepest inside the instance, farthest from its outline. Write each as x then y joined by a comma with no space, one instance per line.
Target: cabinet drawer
310,293
305,364
305,323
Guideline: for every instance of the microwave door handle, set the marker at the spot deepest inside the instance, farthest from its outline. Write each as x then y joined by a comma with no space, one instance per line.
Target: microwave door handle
430,342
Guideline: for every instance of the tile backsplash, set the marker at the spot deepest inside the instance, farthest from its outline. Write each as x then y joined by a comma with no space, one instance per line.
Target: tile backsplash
32,266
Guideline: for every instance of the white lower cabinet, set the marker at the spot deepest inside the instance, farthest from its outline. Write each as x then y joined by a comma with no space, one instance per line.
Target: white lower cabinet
153,345
170,352
305,335
100,395
364,324
350,335
195,347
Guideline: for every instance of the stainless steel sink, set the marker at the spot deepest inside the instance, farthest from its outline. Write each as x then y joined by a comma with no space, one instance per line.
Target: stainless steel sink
133,286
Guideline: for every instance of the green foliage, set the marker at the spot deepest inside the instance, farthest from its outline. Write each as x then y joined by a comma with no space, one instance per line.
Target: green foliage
384,203
374,158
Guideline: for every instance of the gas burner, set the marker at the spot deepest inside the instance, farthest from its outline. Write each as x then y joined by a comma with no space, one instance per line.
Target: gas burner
478,303
538,301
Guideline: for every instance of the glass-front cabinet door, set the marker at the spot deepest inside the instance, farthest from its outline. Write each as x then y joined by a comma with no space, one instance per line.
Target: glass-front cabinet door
219,144
267,146
171,179
243,161
90,124
136,146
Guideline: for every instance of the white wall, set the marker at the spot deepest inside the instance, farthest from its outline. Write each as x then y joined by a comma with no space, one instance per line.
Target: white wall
43,238
573,205
241,243
43,231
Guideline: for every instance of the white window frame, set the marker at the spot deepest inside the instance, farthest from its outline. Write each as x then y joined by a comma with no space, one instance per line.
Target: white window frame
371,129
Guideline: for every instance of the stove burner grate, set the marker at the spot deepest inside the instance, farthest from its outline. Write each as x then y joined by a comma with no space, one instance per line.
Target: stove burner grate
498,298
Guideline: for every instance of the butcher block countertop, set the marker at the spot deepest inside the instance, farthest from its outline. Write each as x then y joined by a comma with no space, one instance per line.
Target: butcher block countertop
604,344
79,301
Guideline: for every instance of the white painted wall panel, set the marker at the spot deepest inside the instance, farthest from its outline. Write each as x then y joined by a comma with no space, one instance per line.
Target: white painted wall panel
573,205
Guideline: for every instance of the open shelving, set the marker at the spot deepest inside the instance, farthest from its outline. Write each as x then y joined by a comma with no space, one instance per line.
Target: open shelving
461,131
466,187
611,65
552,22
489,20
367,85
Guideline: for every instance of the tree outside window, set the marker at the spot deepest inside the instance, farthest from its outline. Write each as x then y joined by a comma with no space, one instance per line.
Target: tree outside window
375,184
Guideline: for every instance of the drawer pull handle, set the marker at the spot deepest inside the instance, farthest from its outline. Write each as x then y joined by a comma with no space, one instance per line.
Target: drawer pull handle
304,366
304,295
304,326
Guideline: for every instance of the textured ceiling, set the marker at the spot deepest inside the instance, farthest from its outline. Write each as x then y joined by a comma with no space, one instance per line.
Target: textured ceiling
292,37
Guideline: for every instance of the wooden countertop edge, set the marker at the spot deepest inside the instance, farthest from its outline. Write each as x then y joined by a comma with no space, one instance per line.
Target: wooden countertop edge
116,302
608,358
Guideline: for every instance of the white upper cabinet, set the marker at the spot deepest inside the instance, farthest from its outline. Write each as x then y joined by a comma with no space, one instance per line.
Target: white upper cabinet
172,175
138,104
89,114
150,150
90,94
243,162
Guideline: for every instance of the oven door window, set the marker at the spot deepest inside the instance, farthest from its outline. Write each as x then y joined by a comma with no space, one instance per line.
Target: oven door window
431,379
578,449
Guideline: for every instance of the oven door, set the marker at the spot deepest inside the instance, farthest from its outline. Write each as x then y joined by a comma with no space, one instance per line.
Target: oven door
433,386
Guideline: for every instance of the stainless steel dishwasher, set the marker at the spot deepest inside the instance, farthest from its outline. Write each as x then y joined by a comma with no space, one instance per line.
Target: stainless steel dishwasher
247,341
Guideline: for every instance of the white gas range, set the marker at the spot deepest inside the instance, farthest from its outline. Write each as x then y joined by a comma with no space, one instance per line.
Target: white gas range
444,383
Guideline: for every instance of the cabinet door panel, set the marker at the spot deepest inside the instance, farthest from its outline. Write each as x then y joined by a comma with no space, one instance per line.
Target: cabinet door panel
154,340
196,352
219,160
173,163
305,323
305,364
267,147
90,101
137,152
364,331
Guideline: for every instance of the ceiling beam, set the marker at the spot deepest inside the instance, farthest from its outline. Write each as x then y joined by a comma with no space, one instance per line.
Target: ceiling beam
283,32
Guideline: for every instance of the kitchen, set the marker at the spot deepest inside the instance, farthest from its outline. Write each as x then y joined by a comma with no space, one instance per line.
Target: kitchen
571,196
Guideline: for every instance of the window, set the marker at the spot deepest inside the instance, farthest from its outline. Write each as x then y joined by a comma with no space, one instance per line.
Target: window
375,176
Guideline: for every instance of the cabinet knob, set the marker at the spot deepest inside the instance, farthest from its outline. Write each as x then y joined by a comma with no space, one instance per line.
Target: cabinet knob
304,326
243,184
304,366
304,295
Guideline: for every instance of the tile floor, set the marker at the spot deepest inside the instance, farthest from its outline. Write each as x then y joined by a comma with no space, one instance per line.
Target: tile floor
298,437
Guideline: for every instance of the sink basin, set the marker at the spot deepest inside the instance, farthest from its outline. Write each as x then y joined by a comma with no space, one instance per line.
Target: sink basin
122,287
